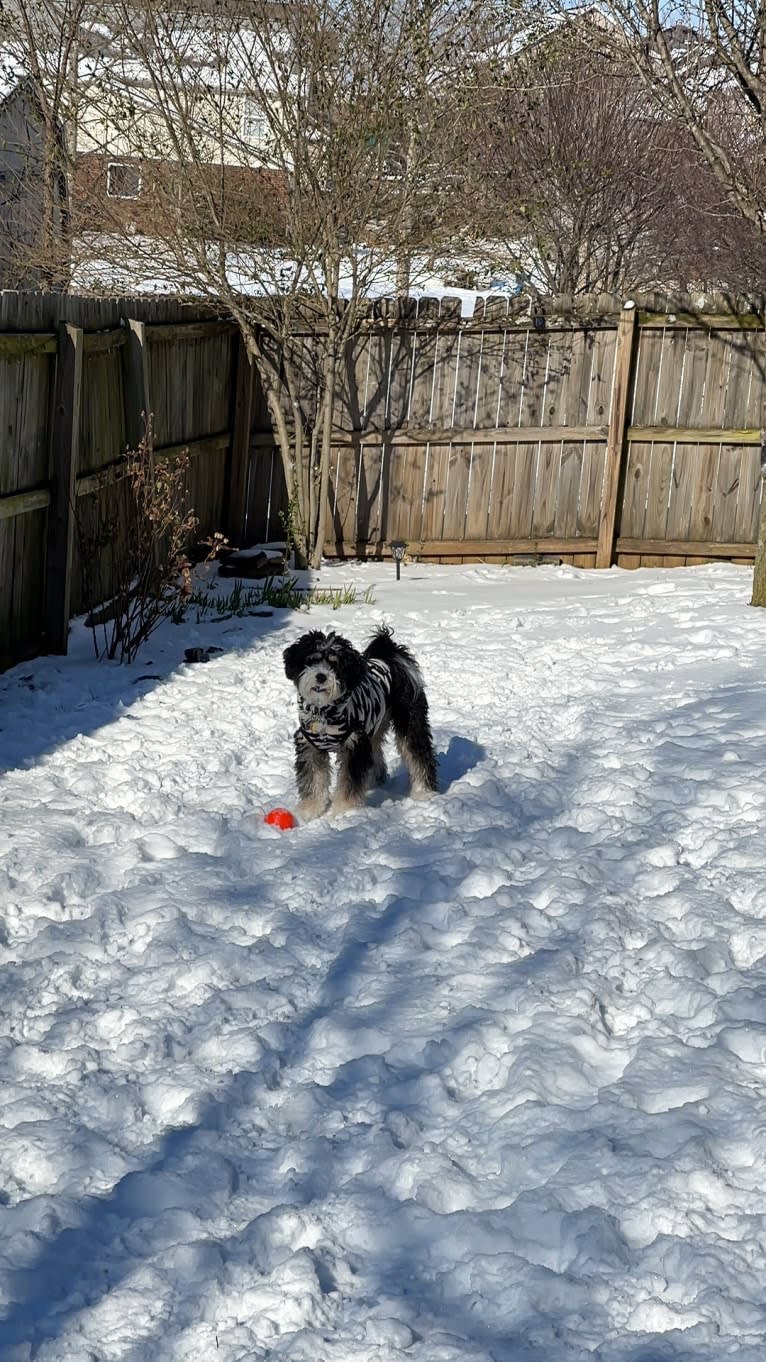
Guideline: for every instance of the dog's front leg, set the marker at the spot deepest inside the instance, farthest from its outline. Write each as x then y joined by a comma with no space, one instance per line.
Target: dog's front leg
355,769
312,776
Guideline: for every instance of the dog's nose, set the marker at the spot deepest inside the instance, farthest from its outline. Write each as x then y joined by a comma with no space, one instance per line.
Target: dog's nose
320,677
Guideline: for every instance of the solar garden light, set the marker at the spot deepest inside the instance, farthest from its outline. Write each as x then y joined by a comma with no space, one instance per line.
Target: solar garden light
398,549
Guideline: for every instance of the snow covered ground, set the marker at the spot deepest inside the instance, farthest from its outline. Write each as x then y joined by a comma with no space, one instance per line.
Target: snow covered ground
478,1078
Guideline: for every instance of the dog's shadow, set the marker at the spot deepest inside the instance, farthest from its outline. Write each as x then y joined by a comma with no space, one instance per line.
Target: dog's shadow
461,756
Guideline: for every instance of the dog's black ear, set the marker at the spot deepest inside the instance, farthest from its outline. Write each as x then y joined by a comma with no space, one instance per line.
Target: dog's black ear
351,666
295,656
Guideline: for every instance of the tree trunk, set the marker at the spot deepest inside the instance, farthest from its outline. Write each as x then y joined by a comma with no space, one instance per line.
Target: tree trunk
404,256
331,364
403,275
291,451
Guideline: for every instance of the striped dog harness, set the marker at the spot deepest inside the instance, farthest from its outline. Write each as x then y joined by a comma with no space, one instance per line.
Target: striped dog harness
362,710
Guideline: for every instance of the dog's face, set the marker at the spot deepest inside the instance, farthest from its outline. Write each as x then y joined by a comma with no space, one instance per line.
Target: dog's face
324,667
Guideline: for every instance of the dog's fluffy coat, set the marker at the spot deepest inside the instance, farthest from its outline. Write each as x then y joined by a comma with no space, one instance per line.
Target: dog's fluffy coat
347,702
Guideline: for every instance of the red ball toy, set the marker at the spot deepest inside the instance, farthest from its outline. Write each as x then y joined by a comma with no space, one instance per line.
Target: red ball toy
280,818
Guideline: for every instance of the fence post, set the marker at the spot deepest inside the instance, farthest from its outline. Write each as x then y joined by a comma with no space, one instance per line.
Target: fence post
615,444
137,408
758,596
65,444
235,520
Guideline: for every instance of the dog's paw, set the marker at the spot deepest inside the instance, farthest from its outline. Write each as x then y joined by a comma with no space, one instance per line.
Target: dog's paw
345,804
309,809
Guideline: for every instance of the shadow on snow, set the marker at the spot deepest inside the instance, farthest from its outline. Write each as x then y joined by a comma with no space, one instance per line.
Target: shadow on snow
81,1264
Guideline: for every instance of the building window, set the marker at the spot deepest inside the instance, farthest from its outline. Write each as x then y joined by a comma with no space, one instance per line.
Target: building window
255,127
123,181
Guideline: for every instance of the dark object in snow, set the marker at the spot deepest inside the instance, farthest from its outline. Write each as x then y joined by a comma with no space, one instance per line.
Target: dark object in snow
398,549
147,676
200,654
251,565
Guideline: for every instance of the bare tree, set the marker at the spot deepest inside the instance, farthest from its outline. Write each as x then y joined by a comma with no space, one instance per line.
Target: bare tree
40,44
570,172
282,163
708,73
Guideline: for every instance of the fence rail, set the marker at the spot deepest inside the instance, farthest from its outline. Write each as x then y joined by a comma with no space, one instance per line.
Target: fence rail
630,436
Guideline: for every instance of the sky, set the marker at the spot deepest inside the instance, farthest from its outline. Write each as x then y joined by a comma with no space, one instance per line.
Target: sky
480,1078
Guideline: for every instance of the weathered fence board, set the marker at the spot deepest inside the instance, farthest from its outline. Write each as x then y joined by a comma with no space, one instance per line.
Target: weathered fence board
623,362
591,483
65,446
25,400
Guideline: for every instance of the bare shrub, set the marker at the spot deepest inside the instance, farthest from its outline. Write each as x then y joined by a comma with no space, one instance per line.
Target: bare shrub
144,561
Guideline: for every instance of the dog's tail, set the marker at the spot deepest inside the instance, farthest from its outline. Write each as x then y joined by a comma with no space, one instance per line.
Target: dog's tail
383,647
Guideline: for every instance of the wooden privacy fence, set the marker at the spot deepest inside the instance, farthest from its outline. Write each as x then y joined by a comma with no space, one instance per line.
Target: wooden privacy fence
630,438
76,377
628,435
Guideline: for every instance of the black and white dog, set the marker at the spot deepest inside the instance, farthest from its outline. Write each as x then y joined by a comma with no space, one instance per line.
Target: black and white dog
347,702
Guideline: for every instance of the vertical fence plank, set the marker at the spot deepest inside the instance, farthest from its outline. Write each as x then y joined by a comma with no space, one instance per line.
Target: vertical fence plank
522,503
749,500
61,513
137,396
368,514
655,519
344,487
568,493
459,467
615,445
546,488
759,573
591,481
